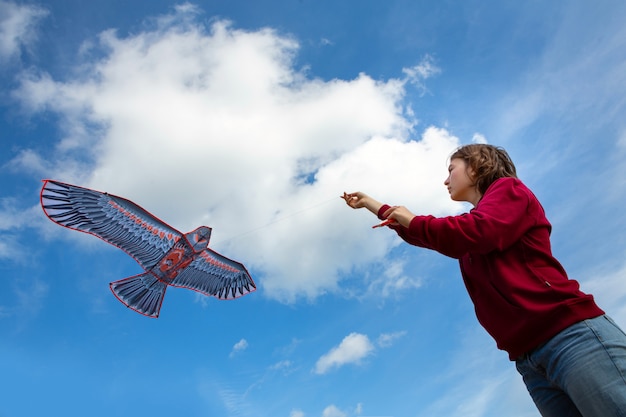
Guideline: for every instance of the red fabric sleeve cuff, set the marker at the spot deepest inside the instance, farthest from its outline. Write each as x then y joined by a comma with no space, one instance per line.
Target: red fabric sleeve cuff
383,209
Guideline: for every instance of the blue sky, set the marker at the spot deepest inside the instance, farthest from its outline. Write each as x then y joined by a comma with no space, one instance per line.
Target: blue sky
252,118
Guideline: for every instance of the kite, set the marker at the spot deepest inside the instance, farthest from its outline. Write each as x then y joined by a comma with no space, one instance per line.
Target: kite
167,256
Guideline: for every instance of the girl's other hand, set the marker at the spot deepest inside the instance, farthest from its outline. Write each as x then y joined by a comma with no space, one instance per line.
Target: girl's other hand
400,214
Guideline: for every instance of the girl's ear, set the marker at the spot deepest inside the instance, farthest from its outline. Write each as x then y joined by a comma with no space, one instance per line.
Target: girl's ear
470,172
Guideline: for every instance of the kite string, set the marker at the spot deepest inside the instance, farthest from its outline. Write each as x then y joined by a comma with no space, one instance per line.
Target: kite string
278,220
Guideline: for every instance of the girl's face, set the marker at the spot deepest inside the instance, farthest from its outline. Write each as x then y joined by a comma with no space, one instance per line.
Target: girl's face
460,182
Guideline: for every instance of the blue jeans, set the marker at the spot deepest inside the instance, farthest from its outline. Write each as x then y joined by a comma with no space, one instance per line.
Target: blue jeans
579,372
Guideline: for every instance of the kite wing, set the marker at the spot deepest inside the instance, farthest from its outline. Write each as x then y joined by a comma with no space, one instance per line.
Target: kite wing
213,274
113,219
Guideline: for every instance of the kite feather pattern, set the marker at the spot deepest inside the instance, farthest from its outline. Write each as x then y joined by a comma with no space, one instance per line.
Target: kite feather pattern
167,256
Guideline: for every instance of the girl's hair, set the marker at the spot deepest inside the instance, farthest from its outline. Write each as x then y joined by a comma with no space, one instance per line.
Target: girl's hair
488,163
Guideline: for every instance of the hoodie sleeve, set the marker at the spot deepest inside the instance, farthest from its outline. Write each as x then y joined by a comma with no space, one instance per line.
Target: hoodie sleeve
501,218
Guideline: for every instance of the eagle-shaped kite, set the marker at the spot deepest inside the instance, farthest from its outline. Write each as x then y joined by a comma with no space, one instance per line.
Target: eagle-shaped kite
167,256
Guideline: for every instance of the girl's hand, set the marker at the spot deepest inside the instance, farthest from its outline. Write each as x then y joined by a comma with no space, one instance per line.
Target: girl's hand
359,200
400,214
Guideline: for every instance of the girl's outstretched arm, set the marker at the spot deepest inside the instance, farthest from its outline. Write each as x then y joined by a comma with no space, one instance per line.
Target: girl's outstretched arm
400,215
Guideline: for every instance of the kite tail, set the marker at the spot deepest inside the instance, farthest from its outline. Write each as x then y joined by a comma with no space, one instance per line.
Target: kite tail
143,293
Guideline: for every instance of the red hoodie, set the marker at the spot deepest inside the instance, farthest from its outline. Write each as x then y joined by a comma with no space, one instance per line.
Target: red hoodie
521,293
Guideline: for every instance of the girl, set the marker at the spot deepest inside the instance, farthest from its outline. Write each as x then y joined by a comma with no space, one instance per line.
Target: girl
571,356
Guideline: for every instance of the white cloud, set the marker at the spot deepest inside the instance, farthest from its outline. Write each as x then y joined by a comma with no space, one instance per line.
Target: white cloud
30,161
296,413
393,281
10,217
215,126
479,138
417,74
285,366
8,250
14,217
352,350
388,339
17,28
240,346
333,411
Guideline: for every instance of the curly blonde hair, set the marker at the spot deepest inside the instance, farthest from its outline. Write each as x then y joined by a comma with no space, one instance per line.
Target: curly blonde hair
488,163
